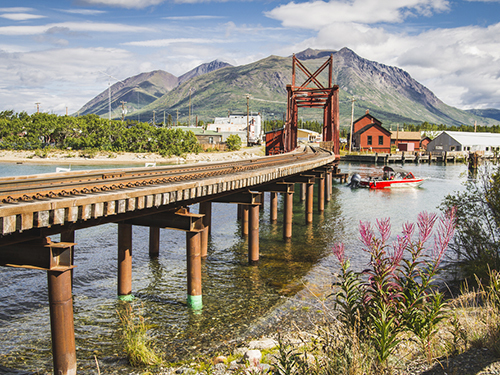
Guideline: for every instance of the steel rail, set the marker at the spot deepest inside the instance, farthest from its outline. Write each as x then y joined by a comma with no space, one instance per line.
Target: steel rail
30,188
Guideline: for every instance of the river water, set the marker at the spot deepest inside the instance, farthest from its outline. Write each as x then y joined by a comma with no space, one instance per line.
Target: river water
239,300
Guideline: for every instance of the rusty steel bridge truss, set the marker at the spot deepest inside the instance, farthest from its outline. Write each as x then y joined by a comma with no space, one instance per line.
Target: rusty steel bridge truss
312,94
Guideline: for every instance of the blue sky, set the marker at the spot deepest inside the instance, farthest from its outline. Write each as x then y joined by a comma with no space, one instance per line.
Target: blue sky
61,53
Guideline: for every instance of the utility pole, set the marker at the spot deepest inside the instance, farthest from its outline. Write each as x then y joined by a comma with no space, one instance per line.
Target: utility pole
177,118
37,108
248,120
352,121
154,118
163,118
189,107
123,110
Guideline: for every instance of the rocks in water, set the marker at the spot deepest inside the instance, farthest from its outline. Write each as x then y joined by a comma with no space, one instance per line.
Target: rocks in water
253,356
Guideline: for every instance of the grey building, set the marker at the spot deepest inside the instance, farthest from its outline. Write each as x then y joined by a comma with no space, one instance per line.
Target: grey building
487,143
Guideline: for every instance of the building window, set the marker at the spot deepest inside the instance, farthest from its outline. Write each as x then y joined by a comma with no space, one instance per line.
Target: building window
380,140
210,140
369,140
487,148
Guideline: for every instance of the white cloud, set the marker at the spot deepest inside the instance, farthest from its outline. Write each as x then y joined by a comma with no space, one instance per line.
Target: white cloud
73,26
192,18
129,4
318,14
85,12
168,42
20,16
16,10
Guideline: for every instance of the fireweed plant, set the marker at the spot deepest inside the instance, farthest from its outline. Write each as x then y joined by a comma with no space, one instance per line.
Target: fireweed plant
396,293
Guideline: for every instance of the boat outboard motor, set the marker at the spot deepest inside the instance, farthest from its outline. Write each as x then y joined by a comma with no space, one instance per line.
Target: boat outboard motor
355,180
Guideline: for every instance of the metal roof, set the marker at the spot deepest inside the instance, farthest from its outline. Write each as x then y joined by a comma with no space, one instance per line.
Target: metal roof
474,139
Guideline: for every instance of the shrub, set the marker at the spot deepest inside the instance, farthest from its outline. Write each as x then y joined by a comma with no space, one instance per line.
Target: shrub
396,293
233,142
477,239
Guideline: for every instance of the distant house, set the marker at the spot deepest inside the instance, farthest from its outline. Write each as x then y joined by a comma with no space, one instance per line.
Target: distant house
406,141
369,134
424,142
306,135
486,143
206,138
236,123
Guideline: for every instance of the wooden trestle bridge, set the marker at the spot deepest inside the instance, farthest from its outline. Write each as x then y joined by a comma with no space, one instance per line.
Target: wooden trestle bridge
33,208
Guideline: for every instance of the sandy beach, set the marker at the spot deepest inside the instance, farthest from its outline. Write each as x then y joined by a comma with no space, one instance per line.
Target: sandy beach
84,158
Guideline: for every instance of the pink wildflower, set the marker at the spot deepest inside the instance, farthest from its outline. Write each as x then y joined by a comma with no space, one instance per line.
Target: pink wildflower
366,232
339,252
384,227
445,235
425,222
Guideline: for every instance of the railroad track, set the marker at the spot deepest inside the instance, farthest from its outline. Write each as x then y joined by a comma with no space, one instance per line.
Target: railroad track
31,188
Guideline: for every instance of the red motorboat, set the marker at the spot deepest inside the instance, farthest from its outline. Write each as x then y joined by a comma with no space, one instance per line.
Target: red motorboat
393,177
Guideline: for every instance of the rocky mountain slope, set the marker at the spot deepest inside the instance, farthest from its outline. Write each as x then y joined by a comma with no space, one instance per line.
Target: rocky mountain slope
390,93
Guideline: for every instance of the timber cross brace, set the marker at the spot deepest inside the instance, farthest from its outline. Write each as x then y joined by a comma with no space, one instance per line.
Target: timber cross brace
313,94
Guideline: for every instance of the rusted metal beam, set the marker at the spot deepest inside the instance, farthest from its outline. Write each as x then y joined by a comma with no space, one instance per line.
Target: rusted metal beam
154,242
309,203
245,214
40,254
287,216
305,179
274,207
180,220
278,187
247,197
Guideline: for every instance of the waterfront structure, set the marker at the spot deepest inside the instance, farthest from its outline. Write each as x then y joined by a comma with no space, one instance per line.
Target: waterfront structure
369,134
486,143
206,138
406,141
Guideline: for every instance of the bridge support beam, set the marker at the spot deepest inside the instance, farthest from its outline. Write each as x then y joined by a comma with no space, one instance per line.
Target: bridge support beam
303,189
193,254
287,216
328,185
274,207
125,261
61,322
309,203
321,194
244,220
154,242
206,210
253,239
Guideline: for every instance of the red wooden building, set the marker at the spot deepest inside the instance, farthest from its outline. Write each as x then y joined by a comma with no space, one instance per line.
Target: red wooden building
369,134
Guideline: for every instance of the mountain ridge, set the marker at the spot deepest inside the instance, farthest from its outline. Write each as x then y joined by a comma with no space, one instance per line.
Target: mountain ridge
389,92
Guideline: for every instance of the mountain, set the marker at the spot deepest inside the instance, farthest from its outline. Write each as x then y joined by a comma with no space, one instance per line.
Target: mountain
143,89
203,69
390,93
490,113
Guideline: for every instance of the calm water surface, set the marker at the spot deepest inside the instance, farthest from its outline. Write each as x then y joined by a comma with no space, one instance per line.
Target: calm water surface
239,300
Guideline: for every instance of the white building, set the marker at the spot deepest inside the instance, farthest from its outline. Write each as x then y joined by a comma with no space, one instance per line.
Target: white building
486,143
236,123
